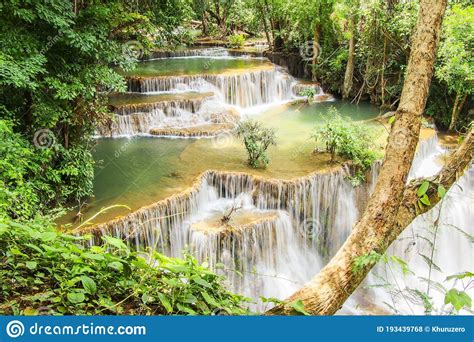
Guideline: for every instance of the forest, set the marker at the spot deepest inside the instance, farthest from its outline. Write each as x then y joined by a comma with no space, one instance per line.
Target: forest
236,157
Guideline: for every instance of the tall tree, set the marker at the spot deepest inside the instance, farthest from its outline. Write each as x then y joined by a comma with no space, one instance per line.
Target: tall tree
378,226
351,31
456,67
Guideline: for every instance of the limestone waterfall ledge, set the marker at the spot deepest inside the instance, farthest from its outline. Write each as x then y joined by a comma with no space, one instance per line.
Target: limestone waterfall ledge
245,89
322,207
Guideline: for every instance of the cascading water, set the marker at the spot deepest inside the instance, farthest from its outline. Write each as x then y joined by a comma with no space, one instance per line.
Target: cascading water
246,89
291,227
286,230
171,115
239,92
440,240
205,52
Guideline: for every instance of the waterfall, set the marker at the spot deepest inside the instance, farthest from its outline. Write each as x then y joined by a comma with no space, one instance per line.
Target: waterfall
170,117
169,107
246,89
450,221
206,52
286,230
426,161
289,229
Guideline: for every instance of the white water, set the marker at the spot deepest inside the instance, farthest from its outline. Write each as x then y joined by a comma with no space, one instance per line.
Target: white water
243,89
314,215
170,115
453,251
246,92
311,219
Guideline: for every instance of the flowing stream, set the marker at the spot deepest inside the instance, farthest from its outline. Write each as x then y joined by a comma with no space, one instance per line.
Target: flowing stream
288,220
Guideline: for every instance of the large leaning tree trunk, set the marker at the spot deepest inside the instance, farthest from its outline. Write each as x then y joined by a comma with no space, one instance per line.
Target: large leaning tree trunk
376,229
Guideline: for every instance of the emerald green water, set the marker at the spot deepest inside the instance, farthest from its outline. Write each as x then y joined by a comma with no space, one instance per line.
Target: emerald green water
142,170
194,66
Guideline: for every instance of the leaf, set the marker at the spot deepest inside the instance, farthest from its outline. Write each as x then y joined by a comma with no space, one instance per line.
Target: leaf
89,284
3,228
460,276
425,200
166,303
186,309
441,191
202,282
76,297
31,265
36,248
423,188
271,300
118,243
93,256
118,266
403,265
430,262
209,299
298,306
146,298
458,299
48,236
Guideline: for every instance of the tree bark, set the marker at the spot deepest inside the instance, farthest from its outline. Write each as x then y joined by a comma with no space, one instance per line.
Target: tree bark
316,51
327,292
457,107
347,87
265,24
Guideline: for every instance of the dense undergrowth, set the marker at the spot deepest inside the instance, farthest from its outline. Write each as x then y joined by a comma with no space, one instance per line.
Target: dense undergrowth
48,272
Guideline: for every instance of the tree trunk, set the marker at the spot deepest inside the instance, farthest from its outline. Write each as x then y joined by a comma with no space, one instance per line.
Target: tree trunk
457,107
205,31
316,51
327,292
350,62
265,24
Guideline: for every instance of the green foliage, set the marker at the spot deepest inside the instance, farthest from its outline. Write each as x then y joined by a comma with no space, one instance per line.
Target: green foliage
256,139
422,193
346,139
54,77
309,92
236,41
357,179
42,269
366,260
34,180
455,57
298,306
458,299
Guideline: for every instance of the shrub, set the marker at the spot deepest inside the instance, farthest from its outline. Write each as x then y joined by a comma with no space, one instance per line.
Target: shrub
256,139
34,180
346,139
45,271
236,41
309,92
